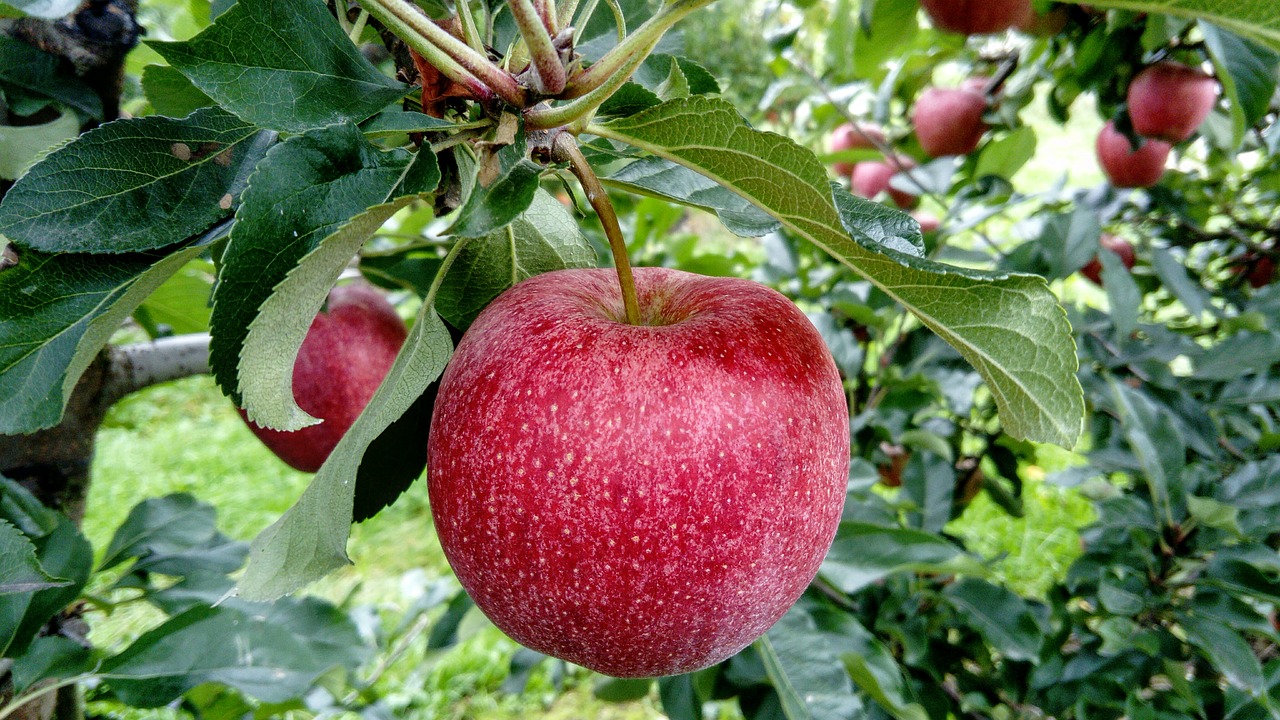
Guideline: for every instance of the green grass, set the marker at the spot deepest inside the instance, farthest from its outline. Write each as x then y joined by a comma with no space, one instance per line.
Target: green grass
186,437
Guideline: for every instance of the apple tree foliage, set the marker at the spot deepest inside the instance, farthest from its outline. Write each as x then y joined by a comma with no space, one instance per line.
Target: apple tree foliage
284,143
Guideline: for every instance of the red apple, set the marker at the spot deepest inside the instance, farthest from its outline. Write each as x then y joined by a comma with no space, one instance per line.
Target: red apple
1129,168
871,177
850,137
348,349
1117,245
928,221
642,500
1169,100
977,17
949,121
1258,270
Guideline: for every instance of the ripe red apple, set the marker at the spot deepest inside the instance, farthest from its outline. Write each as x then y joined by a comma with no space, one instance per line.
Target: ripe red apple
1169,100
1129,168
1258,270
977,17
850,137
871,177
1117,245
928,221
348,350
948,121
645,499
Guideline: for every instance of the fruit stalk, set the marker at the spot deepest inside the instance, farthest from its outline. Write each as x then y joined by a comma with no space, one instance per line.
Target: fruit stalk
566,150
547,69
452,57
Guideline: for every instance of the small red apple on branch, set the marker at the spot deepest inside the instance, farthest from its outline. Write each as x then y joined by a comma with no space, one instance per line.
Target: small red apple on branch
348,350
871,177
1169,100
977,17
948,121
1127,166
854,137
1118,245
642,499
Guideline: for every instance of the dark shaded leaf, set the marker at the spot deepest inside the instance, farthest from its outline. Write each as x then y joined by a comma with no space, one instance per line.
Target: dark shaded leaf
282,65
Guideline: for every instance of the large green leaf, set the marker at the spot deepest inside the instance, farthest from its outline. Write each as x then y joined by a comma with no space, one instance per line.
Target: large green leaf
21,146
321,193
274,653
543,238
63,553
1257,19
1005,620
57,311
662,178
309,541
133,185
806,671
863,553
173,535
282,65
1009,327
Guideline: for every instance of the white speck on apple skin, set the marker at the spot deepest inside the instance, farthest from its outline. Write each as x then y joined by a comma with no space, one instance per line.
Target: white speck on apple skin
674,486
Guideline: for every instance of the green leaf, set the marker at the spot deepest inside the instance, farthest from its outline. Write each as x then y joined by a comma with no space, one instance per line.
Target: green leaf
544,238
863,553
20,569
661,178
133,185
617,690
282,65
1247,73
1009,327
42,74
1006,156
170,92
885,26
1004,620
309,541
1158,446
274,653
58,312
394,459
630,99
50,657
1256,19
1228,652
806,670
873,668
181,304
1214,514
396,122
318,197
173,535
1174,278
1122,293
503,190
22,145
63,553
680,698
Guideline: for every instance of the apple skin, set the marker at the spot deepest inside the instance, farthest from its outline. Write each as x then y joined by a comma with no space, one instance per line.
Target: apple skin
977,17
1129,168
871,177
348,350
849,137
642,500
929,223
948,121
1169,100
1093,269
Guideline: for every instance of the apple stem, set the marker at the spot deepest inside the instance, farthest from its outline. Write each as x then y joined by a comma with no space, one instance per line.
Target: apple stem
566,149
548,71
